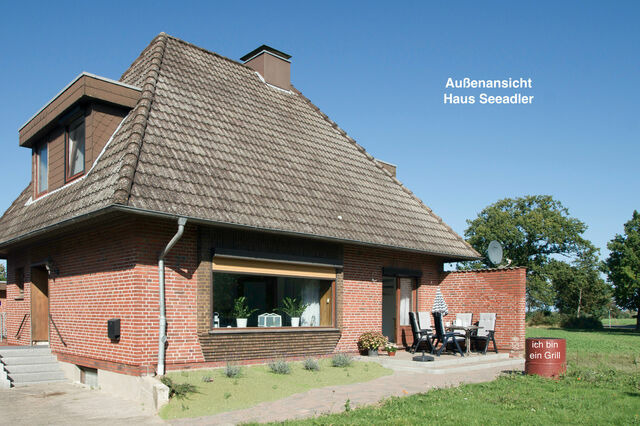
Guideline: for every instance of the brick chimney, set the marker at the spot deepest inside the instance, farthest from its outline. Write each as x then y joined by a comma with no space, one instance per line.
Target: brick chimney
273,65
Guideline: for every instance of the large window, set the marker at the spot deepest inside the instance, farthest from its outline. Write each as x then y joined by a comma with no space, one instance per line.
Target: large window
42,159
267,295
75,148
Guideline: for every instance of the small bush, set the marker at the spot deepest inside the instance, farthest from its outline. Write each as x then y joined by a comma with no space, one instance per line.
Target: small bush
178,390
232,371
371,340
341,360
311,364
207,378
585,323
547,318
280,366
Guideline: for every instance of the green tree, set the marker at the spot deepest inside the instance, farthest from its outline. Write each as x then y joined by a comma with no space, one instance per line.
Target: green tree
532,230
623,266
3,273
578,287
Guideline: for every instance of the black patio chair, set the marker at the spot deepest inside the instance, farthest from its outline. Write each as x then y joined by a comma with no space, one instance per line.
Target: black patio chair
445,337
419,336
486,333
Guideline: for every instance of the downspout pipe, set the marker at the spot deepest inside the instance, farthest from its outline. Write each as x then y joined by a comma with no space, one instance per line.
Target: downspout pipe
162,335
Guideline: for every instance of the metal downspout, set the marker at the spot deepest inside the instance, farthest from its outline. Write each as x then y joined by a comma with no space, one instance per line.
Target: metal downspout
162,335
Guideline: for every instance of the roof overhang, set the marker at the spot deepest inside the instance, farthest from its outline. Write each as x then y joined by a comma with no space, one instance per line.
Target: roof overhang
4,246
84,87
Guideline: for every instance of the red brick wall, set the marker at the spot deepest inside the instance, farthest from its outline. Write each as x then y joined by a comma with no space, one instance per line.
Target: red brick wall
497,290
361,298
110,271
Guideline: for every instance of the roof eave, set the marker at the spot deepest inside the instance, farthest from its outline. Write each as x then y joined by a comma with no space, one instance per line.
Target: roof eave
446,257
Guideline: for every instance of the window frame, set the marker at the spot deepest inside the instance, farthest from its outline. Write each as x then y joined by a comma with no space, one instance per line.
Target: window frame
38,155
67,159
332,326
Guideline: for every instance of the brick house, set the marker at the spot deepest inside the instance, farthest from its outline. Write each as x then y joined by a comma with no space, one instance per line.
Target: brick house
260,194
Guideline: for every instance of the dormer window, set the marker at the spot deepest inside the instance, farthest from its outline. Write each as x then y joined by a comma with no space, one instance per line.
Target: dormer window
75,149
42,159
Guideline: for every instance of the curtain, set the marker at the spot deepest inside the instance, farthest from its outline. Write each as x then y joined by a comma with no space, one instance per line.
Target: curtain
406,285
311,296
76,149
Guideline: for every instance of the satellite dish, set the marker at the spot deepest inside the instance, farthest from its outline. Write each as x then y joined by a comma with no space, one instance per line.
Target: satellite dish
494,252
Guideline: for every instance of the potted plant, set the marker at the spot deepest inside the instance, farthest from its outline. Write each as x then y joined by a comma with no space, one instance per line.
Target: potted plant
391,349
371,341
294,309
241,311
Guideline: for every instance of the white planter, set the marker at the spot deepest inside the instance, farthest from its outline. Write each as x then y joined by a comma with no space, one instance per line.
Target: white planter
241,322
295,322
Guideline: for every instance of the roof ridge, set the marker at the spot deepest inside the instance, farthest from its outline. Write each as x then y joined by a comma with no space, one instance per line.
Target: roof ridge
379,166
140,116
210,52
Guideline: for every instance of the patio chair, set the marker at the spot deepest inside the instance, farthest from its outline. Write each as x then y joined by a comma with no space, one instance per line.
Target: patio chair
445,337
419,335
487,332
424,321
463,319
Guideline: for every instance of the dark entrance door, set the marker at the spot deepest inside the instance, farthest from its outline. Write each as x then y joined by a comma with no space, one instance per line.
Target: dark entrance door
389,305
39,304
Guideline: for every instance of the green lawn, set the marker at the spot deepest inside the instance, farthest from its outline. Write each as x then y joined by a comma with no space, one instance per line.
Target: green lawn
258,384
619,321
602,386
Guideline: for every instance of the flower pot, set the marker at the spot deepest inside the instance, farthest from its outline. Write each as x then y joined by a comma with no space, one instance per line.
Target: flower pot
241,322
373,352
391,353
295,322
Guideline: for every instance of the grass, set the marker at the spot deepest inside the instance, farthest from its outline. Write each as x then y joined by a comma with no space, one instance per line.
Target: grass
602,386
619,321
258,384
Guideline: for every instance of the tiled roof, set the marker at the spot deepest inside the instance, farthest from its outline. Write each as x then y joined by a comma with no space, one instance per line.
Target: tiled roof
211,141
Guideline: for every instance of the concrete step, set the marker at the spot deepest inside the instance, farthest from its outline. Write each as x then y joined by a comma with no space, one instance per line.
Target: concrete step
28,360
15,351
515,363
45,376
32,368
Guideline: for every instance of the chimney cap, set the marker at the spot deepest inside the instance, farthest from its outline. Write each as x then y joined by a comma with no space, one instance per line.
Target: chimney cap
268,49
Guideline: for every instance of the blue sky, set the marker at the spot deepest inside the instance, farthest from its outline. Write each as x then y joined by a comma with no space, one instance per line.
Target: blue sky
379,70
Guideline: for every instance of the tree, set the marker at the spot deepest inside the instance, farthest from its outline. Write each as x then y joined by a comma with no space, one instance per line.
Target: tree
578,287
623,266
3,273
532,230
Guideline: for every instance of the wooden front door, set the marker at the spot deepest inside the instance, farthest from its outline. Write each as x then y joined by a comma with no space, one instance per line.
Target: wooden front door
39,304
326,304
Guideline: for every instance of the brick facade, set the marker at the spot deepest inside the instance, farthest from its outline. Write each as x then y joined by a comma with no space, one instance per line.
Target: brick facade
107,272
108,269
499,291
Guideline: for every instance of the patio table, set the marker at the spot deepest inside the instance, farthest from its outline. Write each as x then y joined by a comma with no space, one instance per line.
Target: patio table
467,334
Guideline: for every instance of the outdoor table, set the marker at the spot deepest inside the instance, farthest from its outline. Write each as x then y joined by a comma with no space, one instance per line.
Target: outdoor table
467,334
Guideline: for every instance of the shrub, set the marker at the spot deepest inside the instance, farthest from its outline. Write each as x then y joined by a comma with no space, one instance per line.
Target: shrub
311,364
585,323
232,371
178,390
371,340
207,378
280,366
547,318
341,360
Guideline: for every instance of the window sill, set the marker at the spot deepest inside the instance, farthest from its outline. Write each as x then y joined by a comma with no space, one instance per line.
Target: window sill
251,330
